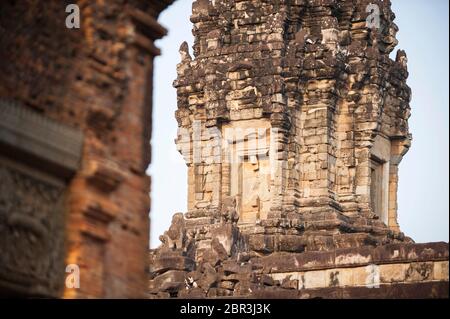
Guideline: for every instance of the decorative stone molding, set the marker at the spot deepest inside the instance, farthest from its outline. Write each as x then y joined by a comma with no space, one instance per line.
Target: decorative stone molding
98,213
104,175
146,31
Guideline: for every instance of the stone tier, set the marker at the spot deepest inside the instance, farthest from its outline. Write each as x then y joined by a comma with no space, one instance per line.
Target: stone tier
230,264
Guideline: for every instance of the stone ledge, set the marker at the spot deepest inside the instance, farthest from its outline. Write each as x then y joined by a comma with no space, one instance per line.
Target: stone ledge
368,276
351,257
39,142
393,291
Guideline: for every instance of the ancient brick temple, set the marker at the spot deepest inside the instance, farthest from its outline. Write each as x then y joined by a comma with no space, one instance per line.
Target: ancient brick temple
75,126
293,122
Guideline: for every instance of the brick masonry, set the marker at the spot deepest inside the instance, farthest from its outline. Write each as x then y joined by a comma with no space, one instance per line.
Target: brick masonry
97,80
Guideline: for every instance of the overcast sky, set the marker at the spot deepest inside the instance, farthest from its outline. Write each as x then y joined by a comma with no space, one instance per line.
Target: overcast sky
424,176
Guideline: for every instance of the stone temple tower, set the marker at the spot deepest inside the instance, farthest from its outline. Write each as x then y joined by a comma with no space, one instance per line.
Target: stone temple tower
293,120
310,78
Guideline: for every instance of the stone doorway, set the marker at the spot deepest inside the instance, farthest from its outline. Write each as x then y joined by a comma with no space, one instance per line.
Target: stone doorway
379,188
254,190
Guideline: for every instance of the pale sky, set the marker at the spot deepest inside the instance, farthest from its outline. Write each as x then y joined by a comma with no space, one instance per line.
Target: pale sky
424,173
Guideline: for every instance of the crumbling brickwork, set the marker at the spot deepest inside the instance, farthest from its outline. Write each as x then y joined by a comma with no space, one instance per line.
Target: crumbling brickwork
293,120
98,80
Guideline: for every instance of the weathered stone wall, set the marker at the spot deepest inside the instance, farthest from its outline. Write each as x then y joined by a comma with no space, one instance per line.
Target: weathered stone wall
98,80
315,80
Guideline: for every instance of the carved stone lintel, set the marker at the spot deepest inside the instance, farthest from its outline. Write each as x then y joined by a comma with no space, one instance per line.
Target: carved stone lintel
37,141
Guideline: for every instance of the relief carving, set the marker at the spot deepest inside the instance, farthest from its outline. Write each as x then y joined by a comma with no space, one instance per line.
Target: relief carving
32,232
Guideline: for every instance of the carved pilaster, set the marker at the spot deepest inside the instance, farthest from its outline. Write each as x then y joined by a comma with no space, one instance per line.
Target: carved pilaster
37,158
